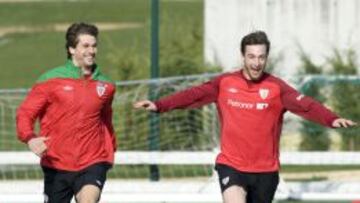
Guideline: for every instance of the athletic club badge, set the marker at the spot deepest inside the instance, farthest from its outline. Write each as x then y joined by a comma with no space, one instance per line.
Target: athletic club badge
264,93
100,89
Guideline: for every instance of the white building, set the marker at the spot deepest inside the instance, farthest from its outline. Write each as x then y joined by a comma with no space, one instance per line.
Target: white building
317,26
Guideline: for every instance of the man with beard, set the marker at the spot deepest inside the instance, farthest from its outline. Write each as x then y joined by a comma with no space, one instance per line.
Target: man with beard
251,104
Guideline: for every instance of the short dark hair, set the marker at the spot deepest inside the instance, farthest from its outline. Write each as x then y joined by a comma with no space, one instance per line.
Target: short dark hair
76,29
257,37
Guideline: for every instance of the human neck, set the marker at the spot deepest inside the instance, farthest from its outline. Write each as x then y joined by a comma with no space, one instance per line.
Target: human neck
245,74
85,70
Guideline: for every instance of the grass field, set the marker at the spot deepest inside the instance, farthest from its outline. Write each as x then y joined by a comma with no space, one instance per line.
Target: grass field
29,43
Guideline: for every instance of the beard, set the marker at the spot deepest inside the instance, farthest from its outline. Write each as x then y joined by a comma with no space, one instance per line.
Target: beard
254,74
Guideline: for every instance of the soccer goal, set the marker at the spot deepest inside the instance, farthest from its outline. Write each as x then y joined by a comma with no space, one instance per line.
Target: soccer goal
170,158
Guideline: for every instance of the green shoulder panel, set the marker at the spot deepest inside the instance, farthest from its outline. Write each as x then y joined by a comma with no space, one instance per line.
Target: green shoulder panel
58,72
70,71
97,75
65,71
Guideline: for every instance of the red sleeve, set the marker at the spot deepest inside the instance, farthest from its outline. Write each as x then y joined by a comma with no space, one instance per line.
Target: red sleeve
305,106
107,114
29,111
192,97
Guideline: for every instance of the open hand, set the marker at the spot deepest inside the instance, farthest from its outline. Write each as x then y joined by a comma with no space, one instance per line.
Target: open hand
343,123
145,104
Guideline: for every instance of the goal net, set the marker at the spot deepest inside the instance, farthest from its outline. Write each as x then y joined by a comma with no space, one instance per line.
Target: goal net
170,157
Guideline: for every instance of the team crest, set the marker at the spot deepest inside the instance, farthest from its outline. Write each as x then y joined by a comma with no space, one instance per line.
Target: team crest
264,93
100,89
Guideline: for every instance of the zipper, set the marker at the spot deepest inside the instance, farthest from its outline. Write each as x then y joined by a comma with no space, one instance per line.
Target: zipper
83,83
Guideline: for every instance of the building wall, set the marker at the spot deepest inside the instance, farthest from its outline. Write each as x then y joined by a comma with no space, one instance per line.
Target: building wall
316,26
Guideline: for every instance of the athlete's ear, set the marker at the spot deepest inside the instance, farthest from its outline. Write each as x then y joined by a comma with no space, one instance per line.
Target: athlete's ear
71,50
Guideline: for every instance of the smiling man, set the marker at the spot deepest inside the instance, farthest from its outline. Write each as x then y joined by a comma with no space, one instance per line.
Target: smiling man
76,141
251,104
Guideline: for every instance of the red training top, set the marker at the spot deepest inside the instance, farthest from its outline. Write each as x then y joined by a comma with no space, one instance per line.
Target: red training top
75,114
251,116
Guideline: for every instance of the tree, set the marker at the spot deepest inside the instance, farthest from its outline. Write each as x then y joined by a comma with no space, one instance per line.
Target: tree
314,136
345,95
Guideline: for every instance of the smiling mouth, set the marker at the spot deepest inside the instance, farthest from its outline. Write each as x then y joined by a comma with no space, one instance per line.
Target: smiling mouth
256,70
89,58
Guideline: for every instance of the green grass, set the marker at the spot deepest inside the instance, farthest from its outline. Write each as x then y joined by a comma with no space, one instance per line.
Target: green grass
317,168
24,56
29,55
311,169
19,172
32,13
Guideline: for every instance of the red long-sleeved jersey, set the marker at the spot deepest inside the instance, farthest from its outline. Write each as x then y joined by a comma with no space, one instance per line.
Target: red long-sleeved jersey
75,114
251,116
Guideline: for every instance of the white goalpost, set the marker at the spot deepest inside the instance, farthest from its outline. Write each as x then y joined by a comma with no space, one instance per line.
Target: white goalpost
196,158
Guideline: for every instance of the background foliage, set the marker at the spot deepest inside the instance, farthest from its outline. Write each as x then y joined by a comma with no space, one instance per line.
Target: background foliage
33,45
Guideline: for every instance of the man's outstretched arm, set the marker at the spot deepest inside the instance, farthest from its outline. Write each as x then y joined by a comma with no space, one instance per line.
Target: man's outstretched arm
192,97
311,109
